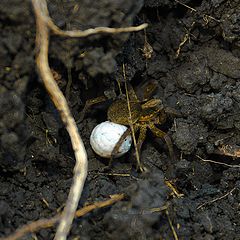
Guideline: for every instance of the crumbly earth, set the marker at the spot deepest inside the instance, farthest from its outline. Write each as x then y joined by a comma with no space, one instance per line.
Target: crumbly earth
196,62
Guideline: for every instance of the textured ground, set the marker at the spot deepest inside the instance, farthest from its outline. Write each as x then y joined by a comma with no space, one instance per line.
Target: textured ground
196,63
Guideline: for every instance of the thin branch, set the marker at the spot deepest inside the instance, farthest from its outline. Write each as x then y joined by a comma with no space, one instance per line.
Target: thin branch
32,227
185,5
220,163
93,31
216,199
44,23
131,122
90,31
81,165
47,223
171,226
174,190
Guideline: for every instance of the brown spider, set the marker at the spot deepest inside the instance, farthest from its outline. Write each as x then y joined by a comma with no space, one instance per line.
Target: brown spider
146,113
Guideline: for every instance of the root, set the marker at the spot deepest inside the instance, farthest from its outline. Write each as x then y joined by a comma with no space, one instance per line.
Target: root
47,223
43,24
220,163
216,199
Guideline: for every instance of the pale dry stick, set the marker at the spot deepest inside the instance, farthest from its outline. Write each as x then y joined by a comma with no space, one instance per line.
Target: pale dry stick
81,165
185,5
171,225
47,223
174,190
217,199
93,31
88,32
220,163
114,174
131,122
44,22
184,40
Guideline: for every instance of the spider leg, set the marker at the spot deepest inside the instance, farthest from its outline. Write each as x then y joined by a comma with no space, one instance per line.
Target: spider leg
131,93
152,103
171,112
159,133
118,144
146,90
141,137
90,103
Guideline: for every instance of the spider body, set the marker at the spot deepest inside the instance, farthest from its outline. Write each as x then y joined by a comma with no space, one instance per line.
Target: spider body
145,114
142,114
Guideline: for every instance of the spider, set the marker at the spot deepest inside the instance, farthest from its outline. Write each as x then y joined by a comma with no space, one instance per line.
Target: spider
146,113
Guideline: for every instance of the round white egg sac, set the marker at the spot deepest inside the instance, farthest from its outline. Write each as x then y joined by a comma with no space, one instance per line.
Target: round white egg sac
105,136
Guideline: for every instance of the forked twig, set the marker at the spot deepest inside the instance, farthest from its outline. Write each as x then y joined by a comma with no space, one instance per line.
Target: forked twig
47,223
91,31
43,24
81,166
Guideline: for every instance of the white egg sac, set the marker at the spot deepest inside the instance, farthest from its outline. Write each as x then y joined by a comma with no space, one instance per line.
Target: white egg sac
105,136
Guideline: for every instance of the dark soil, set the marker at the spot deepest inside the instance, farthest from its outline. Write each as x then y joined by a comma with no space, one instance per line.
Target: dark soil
202,83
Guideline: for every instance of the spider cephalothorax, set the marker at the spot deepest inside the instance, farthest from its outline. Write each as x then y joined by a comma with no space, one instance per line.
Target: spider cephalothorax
146,113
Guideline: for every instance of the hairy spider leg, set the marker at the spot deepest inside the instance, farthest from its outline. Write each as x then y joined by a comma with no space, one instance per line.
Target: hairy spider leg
131,93
146,90
171,112
152,103
88,104
141,137
159,133
118,144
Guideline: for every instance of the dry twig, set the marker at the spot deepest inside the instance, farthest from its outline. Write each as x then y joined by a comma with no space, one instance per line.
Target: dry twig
85,33
93,31
216,199
173,188
131,122
185,5
220,163
43,24
80,169
47,223
171,226
184,40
